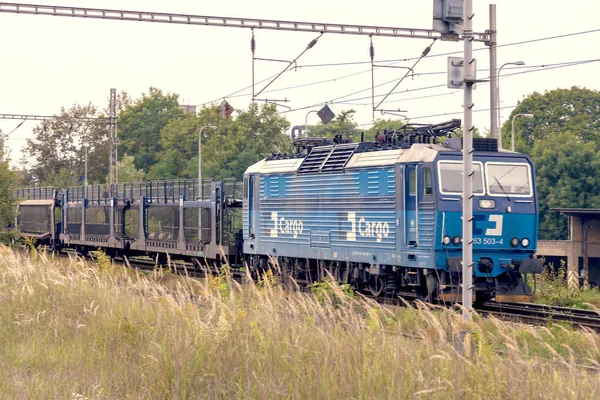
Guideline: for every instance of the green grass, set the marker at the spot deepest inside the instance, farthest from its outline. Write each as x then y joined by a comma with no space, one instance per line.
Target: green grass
554,289
71,329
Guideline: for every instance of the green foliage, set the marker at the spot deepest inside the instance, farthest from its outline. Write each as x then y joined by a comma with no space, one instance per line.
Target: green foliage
9,181
226,151
104,261
553,289
8,201
575,110
141,122
179,146
563,141
256,133
127,170
31,245
379,126
342,124
329,290
58,148
476,134
568,175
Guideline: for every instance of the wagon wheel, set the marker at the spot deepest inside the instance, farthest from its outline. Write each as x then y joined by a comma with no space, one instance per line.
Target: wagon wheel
376,285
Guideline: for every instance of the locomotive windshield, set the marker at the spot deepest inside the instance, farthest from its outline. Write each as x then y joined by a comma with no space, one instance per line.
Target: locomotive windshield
508,179
450,173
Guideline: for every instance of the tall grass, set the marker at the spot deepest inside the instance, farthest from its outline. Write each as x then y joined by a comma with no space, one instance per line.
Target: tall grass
71,329
553,288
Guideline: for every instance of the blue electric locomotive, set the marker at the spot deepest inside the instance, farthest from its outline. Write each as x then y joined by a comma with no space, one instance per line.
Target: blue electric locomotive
386,216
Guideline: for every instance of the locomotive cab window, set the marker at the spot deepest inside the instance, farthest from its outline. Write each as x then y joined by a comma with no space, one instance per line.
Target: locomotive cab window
508,179
427,182
451,179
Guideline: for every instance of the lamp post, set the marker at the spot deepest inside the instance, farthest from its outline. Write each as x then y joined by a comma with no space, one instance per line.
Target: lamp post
85,181
498,97
200,153
3,137
512,129
200,186
306,121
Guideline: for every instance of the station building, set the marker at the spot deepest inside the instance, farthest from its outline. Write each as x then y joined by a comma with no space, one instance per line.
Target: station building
581,251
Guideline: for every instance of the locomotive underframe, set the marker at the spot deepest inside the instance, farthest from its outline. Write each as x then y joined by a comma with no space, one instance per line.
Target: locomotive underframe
389,280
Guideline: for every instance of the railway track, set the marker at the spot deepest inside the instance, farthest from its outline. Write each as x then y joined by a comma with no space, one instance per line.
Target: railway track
540,313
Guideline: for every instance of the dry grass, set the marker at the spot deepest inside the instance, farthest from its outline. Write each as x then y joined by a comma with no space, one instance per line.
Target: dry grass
78,330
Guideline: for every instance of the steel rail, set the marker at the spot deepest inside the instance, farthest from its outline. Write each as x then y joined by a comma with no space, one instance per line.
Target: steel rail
537,313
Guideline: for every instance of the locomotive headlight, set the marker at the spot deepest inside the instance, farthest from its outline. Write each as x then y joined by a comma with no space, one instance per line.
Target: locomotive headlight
446,240
524,242
487,203
456,240
514,242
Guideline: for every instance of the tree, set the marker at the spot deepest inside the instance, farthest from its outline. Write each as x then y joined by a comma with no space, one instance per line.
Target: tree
127,171
256,133
58,148
562,140
141,122
179,147
342,124
8,201
568,175
380,125
575,110
226,151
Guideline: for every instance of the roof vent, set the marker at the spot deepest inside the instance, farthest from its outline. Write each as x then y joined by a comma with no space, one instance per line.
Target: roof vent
479,144
338,158
314,160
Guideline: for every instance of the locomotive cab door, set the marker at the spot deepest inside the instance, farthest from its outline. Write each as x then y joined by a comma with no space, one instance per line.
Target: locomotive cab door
411,223
249,204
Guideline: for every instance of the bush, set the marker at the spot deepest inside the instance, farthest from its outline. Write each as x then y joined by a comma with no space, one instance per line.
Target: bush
554,289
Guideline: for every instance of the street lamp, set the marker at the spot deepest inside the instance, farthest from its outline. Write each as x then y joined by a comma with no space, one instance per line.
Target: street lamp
3,137
498,95
512,129
306,121
200,156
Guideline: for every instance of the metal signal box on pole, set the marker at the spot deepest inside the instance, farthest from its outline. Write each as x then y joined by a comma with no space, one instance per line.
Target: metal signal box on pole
448,16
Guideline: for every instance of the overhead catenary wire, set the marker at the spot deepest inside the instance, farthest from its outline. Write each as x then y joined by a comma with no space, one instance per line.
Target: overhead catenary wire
488,109
412,69
449,53
391,62
308,47
543,67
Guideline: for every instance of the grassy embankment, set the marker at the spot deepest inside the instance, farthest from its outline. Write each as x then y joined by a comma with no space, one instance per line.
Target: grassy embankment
80,330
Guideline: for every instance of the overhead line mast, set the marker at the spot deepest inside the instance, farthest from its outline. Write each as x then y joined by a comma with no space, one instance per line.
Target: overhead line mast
230,22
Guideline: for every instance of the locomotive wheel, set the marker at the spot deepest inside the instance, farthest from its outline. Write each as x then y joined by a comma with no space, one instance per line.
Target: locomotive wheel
376,285
429,292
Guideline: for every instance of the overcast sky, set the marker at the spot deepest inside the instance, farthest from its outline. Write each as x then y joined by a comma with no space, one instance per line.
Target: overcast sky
49,62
